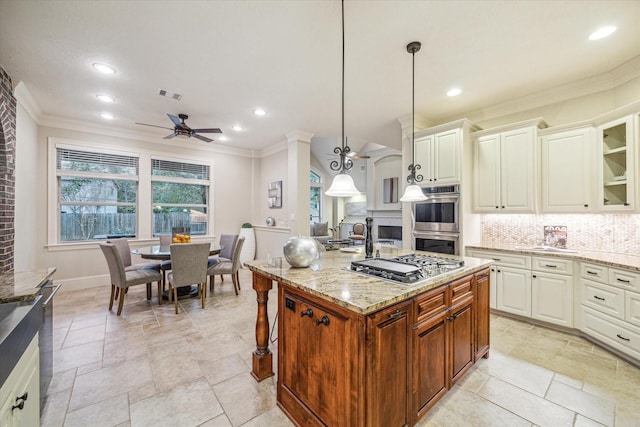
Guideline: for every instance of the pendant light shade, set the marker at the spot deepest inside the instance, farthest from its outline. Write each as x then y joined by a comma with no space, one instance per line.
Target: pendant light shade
413,192
342,185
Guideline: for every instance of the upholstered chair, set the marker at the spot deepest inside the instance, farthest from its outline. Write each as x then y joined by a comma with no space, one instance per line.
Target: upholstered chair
227,267
122,245
189,267
358,233
121,278
165,240
227,242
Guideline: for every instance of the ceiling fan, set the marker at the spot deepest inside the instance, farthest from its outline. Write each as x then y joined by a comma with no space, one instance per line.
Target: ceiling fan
181,128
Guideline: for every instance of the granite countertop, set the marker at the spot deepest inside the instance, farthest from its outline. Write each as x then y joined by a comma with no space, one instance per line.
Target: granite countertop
611,259
23,286
330,278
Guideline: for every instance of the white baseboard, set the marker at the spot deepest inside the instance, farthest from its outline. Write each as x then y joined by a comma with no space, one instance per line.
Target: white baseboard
87,282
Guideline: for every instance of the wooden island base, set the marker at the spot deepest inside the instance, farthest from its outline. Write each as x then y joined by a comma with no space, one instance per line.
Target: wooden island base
337,367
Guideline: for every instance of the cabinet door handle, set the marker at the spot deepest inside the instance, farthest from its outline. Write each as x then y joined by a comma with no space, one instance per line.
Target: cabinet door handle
307,312
20,400
623,280
598,298
397,314
625,204
551,266
497,207
324,321
452,317
593,273
623,338
483,276
534,276
586,206
496,259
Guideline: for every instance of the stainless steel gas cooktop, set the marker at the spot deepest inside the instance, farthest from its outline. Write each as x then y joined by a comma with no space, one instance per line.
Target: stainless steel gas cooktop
406,269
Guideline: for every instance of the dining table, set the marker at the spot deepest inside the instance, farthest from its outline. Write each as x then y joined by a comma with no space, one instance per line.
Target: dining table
163,253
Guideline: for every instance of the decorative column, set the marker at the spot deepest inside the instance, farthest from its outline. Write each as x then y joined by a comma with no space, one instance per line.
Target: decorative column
7,172
298,186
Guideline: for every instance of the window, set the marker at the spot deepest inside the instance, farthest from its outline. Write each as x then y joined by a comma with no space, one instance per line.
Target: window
97,194
179,193
315,197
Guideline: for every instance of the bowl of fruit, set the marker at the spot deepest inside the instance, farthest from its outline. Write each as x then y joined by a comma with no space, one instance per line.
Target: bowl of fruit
181,235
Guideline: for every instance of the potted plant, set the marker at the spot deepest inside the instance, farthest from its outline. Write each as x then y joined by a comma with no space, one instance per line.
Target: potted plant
248,251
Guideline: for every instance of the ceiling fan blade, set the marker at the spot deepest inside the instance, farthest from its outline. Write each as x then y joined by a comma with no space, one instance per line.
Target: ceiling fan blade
202,138
210,130
176,121
154,126
173,135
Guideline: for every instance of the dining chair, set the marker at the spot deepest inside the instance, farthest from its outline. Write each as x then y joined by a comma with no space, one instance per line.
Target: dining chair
358,233
165,240
189,267
227,242
122,245
227,267
122,279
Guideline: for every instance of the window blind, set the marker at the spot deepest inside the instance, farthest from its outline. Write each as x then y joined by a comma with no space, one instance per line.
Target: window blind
179,169
77,160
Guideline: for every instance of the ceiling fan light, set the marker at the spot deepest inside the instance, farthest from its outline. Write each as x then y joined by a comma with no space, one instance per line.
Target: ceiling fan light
342,186
237,128
104,68
413,193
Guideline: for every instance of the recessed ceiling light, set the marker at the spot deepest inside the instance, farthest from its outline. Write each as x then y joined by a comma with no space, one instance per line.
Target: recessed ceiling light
259,112
104,68
222,138
454,91
603,32
105,98
107,116
237,128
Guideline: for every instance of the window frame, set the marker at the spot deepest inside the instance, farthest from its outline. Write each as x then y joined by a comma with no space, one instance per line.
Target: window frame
320,186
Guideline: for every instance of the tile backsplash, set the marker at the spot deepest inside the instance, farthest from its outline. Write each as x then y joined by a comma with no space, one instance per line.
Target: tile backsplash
601,232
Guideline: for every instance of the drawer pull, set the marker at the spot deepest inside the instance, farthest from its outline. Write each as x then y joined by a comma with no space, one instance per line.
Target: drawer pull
551,266
20,400
594,273
598,298
324,321
623,280
496,259
307,312
395,315
623,338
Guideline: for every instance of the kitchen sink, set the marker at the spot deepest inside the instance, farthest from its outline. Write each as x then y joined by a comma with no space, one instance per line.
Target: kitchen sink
545,249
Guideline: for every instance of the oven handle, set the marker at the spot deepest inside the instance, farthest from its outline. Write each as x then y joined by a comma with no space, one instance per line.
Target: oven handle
53,293
427,234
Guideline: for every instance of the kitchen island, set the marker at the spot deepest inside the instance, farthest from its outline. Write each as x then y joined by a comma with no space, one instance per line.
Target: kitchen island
357,350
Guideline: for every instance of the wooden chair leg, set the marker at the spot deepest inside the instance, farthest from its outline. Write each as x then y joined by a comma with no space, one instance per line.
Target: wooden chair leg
117,292
113,293
222,278
204,291
121,300
175,298
212,280
238,279
159,292
235,286
148,291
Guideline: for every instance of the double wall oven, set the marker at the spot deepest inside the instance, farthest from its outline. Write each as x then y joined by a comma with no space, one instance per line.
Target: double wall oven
437,220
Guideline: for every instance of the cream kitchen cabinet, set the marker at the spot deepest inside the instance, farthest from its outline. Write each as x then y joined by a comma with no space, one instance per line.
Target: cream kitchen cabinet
440,150
20,393
566,163
505,168
616,165
552,290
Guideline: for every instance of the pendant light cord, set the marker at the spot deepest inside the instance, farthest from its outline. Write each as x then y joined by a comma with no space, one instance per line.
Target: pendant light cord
342,132
413,116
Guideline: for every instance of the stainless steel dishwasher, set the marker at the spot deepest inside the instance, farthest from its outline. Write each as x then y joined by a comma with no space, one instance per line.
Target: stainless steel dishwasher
45,341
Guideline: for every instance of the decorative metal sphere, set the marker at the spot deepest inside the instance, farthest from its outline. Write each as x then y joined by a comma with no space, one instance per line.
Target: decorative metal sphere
300,251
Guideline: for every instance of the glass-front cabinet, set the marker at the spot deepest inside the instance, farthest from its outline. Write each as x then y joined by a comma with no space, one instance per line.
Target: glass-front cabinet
617,165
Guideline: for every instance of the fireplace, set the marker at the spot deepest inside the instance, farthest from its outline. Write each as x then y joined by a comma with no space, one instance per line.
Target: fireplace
389,232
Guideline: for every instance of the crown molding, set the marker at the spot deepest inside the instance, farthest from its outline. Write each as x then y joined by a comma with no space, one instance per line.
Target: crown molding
272,149
27,101
80,126
601,82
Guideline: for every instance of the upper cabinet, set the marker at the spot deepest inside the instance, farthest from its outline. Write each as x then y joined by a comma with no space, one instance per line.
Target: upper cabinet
504,168
616,168
566,163
439,152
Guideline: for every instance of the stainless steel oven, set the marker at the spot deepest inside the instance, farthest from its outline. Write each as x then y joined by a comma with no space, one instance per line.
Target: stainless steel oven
435,241
441,210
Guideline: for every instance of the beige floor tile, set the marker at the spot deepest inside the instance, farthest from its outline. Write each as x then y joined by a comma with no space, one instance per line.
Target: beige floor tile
222,369
187,405
77,356
525,375
272,418
243,398
142,393
110,381
62,380
82,336
107,413
219,421
533,408
586,404
582,421
89,320
55,409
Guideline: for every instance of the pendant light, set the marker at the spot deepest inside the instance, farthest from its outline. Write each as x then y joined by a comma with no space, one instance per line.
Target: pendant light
342,185
413,192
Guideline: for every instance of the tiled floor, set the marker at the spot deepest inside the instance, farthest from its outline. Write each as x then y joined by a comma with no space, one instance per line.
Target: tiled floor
151,367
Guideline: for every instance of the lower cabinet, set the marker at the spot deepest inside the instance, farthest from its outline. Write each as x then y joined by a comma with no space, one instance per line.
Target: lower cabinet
513,290
20,393
388,368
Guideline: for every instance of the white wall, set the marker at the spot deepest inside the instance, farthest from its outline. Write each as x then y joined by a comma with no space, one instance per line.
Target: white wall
272,168
27,182
81,266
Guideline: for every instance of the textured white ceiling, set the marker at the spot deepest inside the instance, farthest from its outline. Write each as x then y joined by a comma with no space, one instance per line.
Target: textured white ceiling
228,57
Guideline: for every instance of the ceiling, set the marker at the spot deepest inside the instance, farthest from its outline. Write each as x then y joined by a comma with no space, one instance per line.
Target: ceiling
228,57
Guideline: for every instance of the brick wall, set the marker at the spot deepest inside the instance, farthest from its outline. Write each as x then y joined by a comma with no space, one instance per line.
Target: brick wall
7,171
